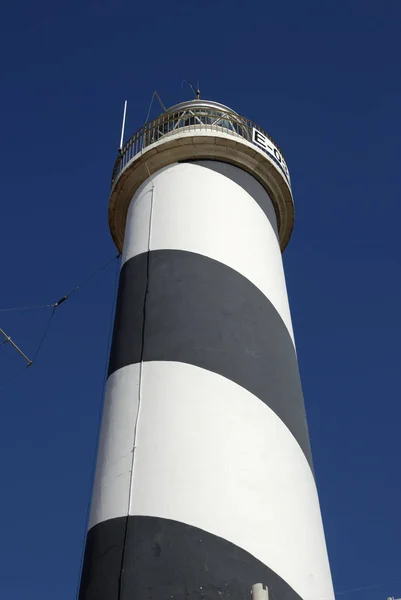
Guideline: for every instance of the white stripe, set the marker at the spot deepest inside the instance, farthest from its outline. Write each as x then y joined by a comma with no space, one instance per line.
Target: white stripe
113,470
210,209
210,454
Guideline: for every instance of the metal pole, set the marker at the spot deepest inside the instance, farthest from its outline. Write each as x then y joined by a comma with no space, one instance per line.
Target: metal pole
123,126
8,339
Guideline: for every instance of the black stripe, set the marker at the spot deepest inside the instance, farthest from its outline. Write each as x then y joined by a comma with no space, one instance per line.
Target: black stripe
201,312
166,559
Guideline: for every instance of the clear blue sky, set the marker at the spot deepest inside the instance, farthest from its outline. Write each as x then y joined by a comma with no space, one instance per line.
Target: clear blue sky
324,79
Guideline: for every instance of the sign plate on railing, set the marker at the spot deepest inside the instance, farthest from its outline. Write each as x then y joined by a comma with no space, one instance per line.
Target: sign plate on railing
261,140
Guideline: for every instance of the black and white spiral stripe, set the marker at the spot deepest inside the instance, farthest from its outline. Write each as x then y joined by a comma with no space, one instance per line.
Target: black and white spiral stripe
204,483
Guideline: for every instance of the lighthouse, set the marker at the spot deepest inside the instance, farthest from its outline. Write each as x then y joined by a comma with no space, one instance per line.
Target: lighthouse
204,483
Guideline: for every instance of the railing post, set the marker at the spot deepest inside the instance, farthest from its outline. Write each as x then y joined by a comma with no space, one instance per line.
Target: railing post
260,592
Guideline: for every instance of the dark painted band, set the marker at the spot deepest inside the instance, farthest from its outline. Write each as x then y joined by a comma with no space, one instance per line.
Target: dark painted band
149,558
201,312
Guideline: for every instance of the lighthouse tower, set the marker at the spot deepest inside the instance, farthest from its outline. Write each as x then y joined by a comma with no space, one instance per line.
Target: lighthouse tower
204,483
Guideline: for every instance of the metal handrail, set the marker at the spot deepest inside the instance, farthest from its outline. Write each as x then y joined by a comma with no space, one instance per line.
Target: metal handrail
190,119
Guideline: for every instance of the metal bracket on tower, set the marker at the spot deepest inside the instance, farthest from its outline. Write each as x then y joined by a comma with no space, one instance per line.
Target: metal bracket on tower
260,592
14,345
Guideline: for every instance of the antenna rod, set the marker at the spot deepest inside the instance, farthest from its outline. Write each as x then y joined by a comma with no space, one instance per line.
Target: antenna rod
8,339
123,126
160,102
196,91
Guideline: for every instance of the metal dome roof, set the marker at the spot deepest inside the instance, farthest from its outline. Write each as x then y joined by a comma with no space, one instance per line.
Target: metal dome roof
199,104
